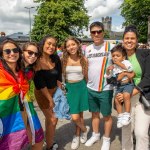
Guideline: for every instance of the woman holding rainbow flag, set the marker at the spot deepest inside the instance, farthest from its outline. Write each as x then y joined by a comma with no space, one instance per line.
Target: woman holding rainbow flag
13,89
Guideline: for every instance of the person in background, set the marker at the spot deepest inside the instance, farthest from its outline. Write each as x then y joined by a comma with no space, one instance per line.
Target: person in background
30,53
124,85
140,60
100,94
13,88
75,74
48,76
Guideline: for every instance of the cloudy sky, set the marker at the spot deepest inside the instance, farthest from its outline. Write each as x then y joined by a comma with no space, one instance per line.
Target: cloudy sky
14,17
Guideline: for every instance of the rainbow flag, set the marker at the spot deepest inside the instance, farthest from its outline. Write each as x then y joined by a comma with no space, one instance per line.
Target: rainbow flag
35,125
13,135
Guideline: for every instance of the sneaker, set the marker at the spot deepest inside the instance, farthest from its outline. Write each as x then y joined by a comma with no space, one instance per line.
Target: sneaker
53,147
94,138
83,137
126,119
75,142
106,143
119,121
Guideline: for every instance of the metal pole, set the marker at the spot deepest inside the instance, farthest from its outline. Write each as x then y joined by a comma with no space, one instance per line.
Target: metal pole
29,22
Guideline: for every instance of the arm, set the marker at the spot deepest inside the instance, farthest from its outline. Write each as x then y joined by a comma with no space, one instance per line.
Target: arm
109,69
120,64
130,75
86,69
145,81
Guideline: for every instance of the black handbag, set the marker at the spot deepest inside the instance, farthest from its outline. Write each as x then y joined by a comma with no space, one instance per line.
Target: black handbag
145,99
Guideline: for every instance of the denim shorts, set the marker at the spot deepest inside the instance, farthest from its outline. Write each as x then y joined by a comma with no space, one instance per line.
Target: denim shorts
128,88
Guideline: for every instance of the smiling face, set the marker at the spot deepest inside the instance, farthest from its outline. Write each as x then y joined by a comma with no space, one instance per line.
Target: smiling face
49,46
72,47
10,53
130,41
30,54
97,34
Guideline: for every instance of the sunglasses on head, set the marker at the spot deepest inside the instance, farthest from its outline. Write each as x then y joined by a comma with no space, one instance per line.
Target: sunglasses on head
31,53
97,31
8,51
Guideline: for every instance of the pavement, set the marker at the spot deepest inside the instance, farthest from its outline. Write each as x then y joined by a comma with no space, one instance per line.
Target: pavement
65,131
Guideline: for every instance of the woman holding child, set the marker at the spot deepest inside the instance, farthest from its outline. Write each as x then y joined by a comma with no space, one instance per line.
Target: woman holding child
140,60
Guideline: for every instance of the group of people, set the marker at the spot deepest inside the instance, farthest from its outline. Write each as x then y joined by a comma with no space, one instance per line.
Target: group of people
87,88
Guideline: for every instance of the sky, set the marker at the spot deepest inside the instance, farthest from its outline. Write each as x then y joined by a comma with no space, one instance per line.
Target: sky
14,17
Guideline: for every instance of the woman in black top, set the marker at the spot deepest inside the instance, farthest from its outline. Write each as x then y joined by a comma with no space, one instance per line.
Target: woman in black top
140,121
48,76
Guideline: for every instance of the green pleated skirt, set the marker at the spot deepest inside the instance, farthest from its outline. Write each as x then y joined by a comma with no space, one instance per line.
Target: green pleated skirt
77,97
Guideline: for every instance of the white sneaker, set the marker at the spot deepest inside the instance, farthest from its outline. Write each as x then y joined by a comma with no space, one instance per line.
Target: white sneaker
94,138
126,119
106,143
119,121
83,137
75,142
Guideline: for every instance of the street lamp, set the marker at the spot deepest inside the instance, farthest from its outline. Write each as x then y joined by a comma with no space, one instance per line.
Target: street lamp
29,21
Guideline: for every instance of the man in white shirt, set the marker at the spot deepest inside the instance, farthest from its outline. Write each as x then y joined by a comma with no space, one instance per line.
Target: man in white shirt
100,93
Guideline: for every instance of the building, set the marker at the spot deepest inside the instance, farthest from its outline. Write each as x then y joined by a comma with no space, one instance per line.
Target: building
113,35
107,22
19,37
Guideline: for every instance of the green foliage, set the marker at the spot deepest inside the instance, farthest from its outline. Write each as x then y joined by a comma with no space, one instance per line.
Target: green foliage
136,12
59,18
106,34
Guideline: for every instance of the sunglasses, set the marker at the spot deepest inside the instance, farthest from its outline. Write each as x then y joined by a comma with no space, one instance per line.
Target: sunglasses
98,32
8,51
31,53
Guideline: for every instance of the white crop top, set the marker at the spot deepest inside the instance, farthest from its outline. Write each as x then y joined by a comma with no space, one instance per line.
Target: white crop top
74,73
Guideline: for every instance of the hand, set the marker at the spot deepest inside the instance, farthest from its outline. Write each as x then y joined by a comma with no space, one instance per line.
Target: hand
110,67
119,97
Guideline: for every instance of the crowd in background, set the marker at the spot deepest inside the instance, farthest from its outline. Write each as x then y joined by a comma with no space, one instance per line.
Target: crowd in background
86,71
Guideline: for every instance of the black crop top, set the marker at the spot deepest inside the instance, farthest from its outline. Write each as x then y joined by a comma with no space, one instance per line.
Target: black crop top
48,78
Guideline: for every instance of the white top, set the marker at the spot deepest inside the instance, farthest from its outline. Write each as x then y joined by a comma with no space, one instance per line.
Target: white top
74,73
117,69
99,58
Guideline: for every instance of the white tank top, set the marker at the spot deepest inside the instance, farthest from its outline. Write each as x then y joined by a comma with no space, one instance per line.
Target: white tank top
74,73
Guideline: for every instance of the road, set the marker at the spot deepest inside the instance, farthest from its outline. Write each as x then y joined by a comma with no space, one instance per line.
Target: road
65,131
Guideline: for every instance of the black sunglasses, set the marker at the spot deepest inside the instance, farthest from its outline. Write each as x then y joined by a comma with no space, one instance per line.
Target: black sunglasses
8,51
97,31
32,53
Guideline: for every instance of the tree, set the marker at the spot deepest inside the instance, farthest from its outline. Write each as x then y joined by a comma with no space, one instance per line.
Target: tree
60,18
106,34
136,12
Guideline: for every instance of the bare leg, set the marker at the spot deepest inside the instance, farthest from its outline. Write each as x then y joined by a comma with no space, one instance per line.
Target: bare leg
50,125
118,106
107,126
77,119
78,130
95,121
127,102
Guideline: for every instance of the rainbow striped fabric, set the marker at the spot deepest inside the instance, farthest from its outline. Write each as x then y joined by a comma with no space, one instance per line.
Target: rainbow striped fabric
35,125
13,134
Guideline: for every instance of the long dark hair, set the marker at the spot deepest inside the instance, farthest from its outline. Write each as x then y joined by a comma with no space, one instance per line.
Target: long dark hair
5,65
41,45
